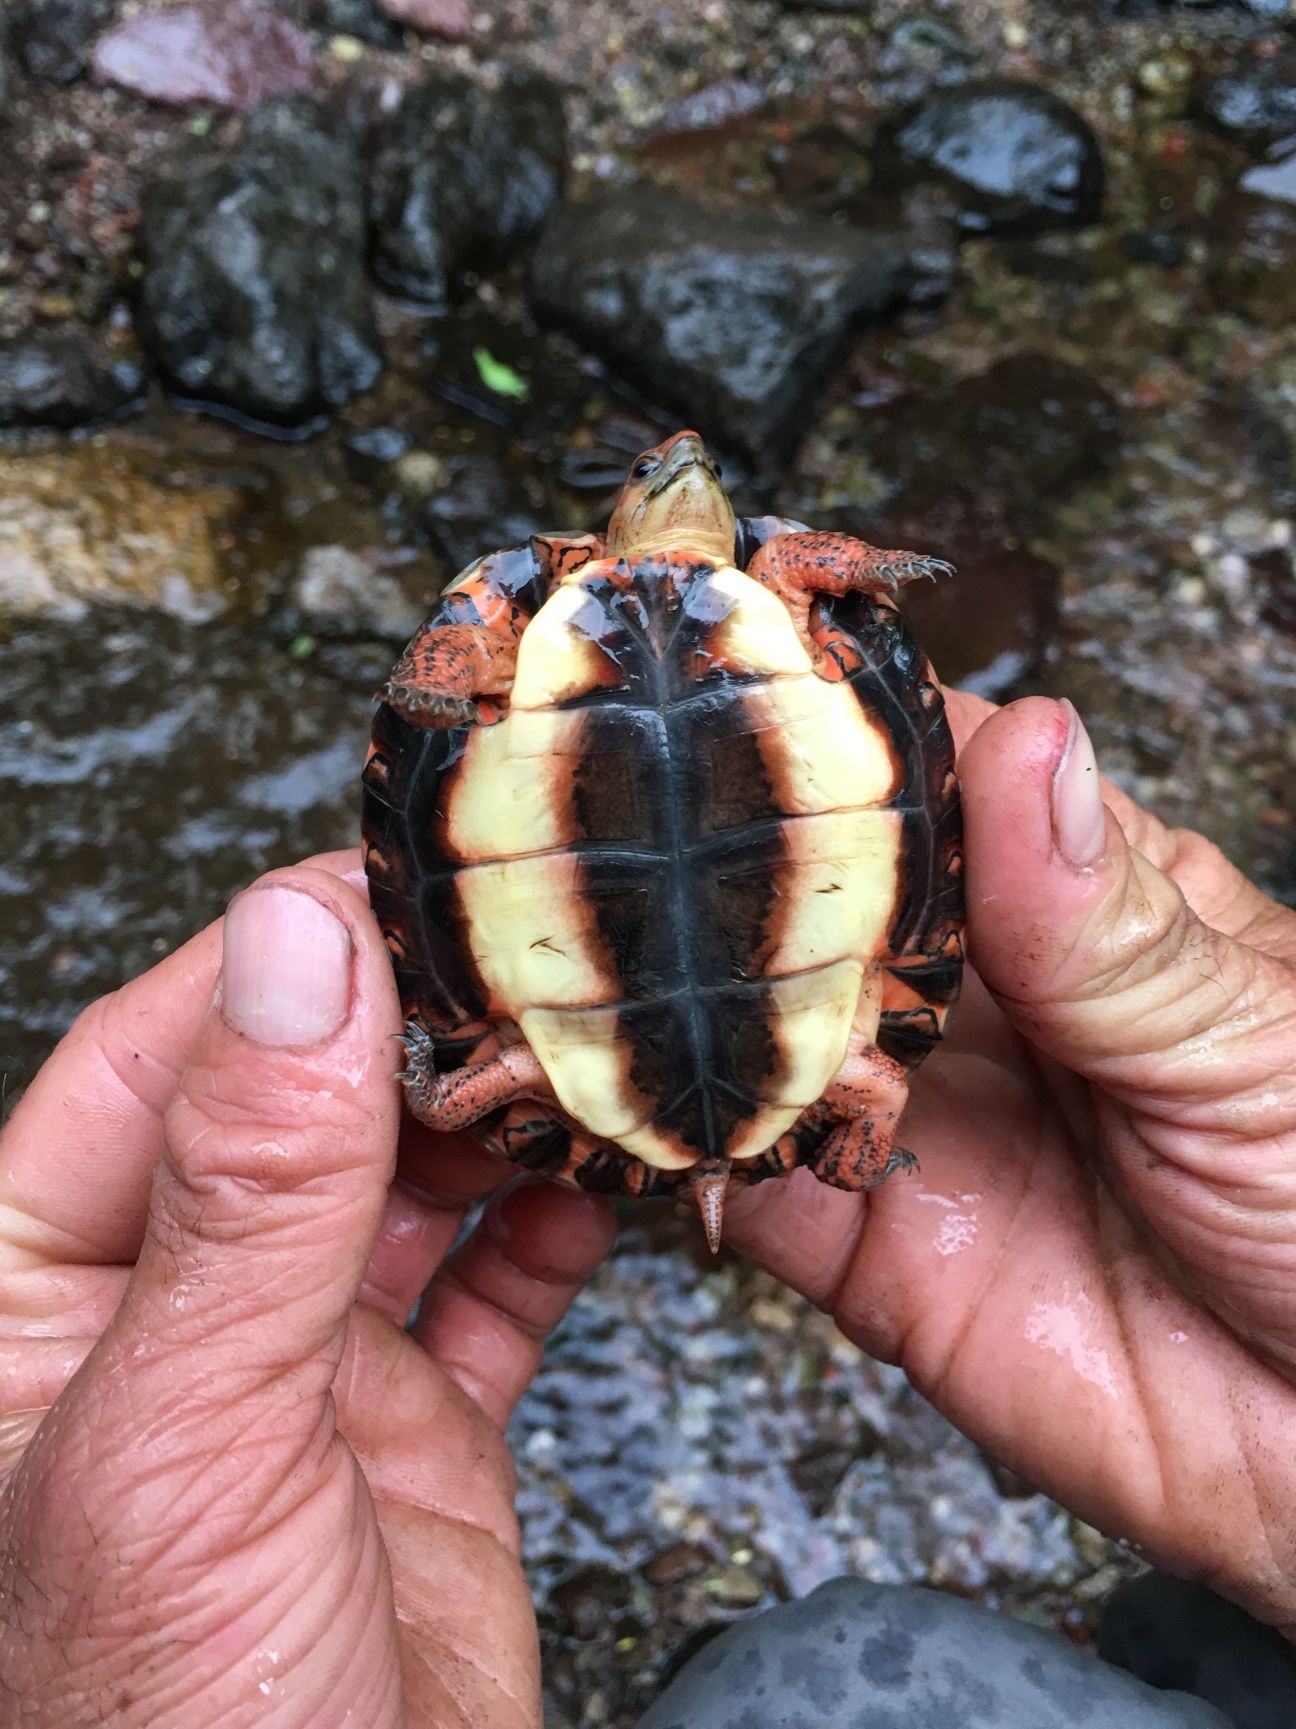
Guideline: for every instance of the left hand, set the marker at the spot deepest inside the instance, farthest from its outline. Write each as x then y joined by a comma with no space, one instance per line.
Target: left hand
232,1488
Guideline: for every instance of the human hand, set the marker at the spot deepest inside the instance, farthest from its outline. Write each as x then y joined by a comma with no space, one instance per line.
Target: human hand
1093,1273
232,1489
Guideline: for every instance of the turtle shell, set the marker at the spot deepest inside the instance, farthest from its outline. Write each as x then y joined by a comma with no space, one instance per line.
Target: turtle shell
684,866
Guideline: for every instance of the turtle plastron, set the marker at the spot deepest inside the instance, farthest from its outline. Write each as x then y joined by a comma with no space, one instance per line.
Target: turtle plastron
609,783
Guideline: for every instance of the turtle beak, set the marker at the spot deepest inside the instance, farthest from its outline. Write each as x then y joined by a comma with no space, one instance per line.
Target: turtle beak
710,1186
686,451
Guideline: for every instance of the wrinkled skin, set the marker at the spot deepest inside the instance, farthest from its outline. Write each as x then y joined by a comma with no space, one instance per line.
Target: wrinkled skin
255,1478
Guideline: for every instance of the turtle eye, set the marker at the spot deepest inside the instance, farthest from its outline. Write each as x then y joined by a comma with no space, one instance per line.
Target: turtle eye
645,466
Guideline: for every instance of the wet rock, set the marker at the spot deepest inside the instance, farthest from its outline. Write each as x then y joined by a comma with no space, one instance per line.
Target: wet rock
731,315
358,18
594,1598
990,627
1275,179
1252,265
717,107
341,592
63,381
854,1652
1014,437
674,1565
1019,158
232,53
462,178
52,37
1254,102
83,526
918,54
254,295
473,505
450,19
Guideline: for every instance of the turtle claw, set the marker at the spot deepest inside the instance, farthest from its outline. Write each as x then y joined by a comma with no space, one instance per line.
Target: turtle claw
420,1054
914,567
900,1160
429,708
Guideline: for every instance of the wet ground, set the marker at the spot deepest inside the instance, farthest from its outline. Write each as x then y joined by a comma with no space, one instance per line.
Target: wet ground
1090,409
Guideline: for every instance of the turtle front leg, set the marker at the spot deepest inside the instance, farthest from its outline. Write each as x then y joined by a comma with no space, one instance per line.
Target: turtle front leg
461,1097
460,664
861,1110
800,568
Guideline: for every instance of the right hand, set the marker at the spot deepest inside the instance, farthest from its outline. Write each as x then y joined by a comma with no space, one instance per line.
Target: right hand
1094,1271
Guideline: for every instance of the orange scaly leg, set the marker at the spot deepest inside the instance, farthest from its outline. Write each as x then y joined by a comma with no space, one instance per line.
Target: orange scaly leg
468,649
461,1097
863,1104
800,568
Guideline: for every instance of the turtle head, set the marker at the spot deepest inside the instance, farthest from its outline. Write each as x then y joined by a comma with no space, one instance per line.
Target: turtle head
673,502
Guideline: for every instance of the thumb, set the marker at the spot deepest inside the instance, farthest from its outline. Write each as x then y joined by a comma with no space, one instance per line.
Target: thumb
279,1146
1093,952
1183,1031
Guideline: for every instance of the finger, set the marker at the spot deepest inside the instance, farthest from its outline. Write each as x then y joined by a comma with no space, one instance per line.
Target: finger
280,1147
437,1179
1217,892
486,1315
1095,956
77,1156
1091,950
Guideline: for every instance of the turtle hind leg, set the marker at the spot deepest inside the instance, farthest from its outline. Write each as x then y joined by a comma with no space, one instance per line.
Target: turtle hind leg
460,1097
860,1113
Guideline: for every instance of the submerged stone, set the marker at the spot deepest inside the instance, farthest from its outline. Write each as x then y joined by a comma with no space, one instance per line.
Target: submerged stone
731,315
52,37
1254,102
87,526
63,380
254,295
233,53
1019,158
462,177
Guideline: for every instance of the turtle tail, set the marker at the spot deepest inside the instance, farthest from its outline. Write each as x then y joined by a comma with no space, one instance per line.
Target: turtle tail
710,1185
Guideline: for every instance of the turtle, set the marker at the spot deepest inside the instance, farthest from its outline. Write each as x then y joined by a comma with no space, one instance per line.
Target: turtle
662,831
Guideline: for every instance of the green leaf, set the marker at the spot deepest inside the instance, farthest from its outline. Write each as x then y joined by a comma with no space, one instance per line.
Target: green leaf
502,379
302,647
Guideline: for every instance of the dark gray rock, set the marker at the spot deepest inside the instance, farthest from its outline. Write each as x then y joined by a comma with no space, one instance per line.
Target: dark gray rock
1019,159
52,37
897,1657
254,296
731,316
1255,101
63,381
462,178
1180,1635
359,18
479,505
